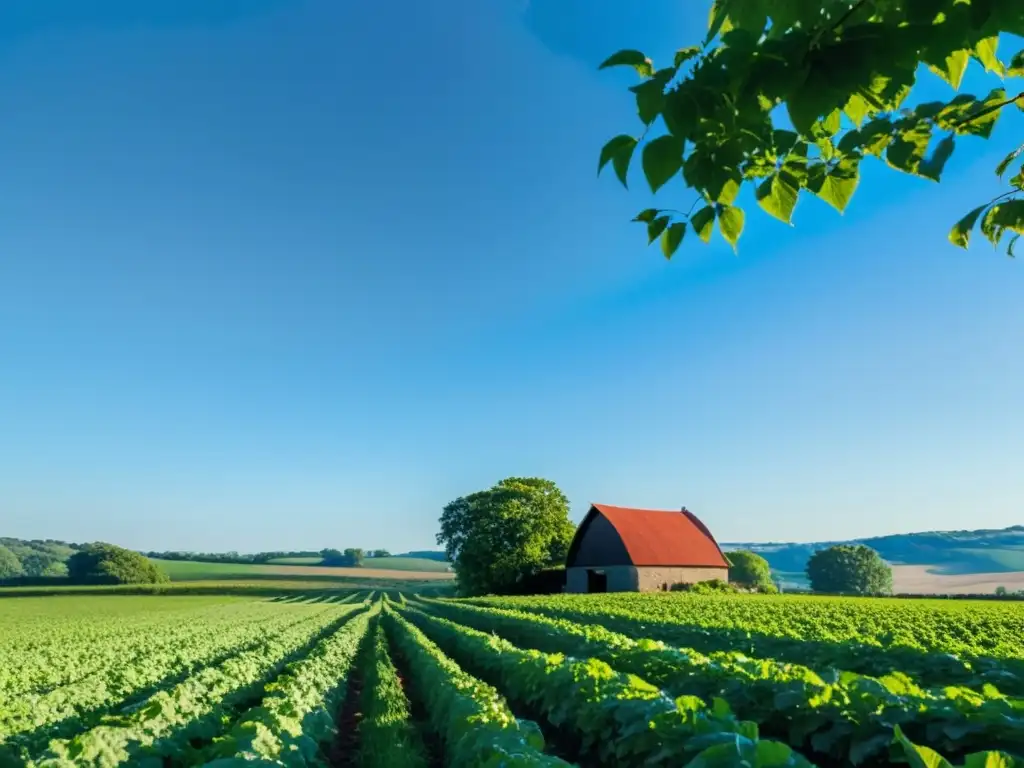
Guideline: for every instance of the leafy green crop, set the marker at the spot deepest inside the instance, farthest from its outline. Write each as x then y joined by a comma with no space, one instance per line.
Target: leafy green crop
849,717
933,642
476,725
619,718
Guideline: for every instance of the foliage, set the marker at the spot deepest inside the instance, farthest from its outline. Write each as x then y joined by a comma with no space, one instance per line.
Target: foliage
109,564
471,717
297,715
787,96
936,643
846,569
495,537
704,587
749,570
379,553
387,738
834,720
168,721
621,719
10,565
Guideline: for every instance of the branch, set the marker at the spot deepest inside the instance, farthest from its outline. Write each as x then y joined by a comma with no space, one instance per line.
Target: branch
988,110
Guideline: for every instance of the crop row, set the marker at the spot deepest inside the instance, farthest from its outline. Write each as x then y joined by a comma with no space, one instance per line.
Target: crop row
171,721
849,718
39,656
937,643
617,718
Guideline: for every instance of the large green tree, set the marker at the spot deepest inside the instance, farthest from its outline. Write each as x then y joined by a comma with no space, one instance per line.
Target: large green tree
849,569
508,532
109,564
10,565
789,96
749,570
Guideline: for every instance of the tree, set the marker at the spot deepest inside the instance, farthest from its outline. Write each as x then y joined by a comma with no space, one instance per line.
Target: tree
38,564
749,570
849,569
102,563
353,557
10,565
380,553
508,532
791,96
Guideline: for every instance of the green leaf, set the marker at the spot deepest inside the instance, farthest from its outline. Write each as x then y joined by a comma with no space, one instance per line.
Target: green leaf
985,52
647,215
1016,68
656,227
1010,253
932,167
619,151
719,13
1001,168
955,66
778,196
671,238
907,151
988,759
630,58
703,223
1018,180
724,184
683,55
960,235
1008,215
920,757
836,186
730,223
650,94
662,159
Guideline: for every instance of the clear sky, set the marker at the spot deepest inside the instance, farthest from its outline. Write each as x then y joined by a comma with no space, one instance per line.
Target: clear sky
295,273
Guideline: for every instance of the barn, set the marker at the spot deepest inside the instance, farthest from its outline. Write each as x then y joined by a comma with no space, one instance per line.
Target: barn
617,549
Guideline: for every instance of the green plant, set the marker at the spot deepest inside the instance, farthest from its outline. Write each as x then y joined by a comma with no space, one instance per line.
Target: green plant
749,570
788,96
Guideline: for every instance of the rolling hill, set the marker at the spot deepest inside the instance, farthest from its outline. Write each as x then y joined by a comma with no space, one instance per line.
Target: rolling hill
940,553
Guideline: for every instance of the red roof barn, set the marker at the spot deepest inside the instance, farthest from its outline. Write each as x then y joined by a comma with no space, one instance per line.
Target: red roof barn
617,549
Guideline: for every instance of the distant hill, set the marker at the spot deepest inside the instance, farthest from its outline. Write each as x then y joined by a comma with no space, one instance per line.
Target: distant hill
945,552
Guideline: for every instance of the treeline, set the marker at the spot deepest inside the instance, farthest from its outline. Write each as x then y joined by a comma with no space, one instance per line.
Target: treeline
350,557
34,558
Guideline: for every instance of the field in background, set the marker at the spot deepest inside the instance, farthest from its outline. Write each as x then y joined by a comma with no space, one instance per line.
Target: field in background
378,563
921,580
189,570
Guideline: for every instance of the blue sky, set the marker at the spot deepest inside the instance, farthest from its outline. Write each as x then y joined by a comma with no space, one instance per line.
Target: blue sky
295,273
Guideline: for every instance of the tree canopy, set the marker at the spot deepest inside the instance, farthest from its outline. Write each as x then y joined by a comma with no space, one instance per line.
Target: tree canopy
792,95
10,565
749,570
849,569
510,531
109,564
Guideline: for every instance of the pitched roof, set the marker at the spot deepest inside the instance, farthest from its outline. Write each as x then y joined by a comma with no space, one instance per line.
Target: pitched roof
662,537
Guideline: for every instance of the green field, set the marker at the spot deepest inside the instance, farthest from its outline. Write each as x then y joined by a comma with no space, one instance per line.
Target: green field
340,677
190,570
384,563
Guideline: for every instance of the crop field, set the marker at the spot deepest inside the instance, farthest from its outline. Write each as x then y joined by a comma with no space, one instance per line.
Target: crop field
389,680
190,570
